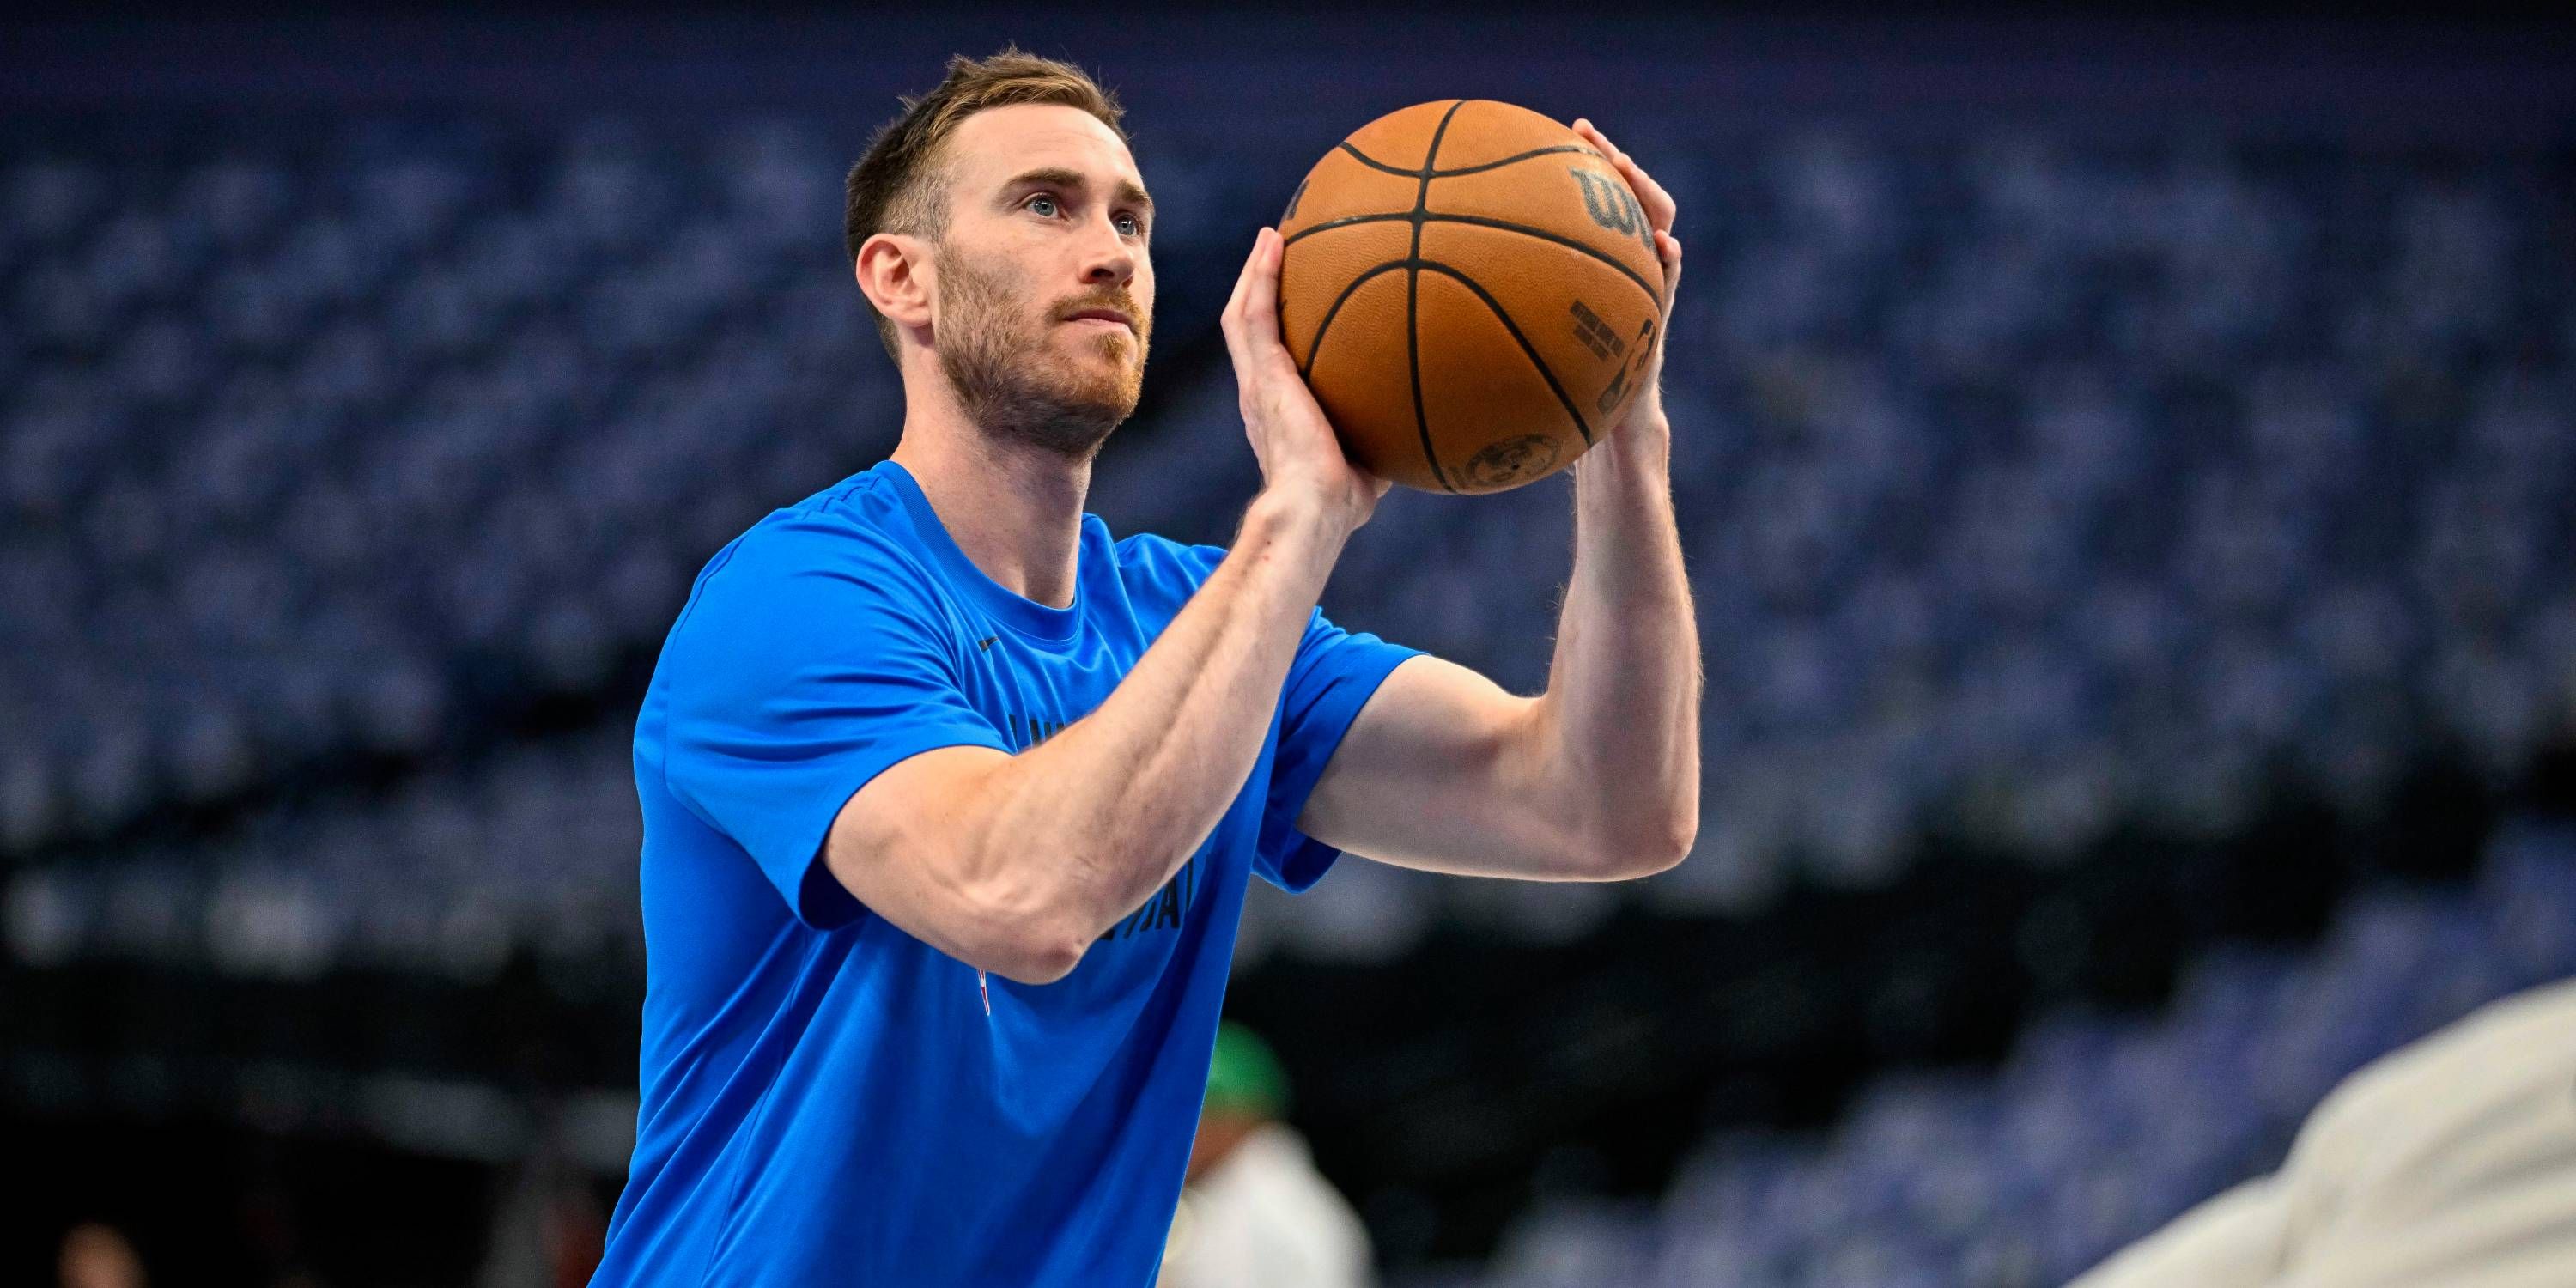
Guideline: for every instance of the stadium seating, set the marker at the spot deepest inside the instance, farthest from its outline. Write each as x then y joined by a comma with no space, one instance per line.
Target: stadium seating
2095,1132
339,448
2029,484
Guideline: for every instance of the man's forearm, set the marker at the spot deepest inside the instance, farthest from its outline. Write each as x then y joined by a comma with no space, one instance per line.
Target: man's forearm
1103,813
1621,710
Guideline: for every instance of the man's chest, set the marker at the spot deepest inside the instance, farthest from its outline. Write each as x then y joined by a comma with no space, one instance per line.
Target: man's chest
1031,700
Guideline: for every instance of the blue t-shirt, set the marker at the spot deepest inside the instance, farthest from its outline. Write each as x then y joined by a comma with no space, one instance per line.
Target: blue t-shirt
828,1100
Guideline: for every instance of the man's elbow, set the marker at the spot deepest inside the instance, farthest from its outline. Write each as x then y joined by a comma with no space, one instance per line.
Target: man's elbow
1037,961
1025,944
1643,845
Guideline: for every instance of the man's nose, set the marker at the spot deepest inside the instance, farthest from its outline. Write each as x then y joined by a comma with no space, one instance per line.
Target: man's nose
1107,258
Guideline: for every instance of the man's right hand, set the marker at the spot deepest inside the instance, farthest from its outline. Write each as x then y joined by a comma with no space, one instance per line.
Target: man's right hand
1301,458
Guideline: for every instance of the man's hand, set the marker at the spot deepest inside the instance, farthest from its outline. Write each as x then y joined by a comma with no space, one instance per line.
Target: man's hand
1301,458
1647,408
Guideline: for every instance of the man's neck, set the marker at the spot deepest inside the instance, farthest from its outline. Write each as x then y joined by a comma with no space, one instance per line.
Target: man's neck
1015,510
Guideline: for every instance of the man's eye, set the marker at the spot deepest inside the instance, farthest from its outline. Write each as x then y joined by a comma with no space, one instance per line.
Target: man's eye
1044,206
1131,225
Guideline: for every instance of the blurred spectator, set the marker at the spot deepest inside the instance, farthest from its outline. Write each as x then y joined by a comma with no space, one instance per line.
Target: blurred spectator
98,1256
1254,1211
2452,1162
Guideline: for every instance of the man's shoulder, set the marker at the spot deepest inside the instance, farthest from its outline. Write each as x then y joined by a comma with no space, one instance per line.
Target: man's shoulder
854,520
847,538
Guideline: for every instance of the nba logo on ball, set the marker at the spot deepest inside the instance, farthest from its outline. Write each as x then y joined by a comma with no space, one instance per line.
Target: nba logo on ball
1471,291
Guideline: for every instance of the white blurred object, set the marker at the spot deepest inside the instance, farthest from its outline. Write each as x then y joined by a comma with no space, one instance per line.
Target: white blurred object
2452,1162
1265,1218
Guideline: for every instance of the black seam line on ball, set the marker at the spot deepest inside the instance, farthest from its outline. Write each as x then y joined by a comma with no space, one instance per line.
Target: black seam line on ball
1581,426
1374,164
1514,159
1343,222
1315,349
1419,218
1413,294
1567,242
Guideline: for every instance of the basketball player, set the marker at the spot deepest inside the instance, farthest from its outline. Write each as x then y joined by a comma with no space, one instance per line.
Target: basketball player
951,798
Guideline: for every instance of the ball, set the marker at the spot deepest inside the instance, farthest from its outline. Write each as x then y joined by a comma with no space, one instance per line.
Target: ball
1471,291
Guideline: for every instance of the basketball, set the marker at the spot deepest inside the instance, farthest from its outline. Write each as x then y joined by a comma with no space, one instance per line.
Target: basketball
1471,291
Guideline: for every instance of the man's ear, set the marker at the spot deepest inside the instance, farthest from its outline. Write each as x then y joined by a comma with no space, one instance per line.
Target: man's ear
894,272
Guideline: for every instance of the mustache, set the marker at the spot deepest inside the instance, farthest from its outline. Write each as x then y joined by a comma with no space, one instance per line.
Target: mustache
1119,300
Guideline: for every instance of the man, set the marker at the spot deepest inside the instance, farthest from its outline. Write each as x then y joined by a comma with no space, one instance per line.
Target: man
2451,1161
1254,1211
950,800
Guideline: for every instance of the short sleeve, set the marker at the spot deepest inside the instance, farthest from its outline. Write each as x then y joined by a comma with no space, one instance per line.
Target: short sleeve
1332,678
810,661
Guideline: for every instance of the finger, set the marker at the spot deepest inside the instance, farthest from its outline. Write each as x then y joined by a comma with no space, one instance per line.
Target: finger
1601,142
1261,292
1659,204
1242,288
1668,248
1232,323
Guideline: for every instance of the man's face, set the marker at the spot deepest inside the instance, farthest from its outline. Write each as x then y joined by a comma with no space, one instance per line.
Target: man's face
1044,295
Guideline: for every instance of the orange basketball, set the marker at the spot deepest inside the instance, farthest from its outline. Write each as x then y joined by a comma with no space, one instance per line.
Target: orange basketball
1472,293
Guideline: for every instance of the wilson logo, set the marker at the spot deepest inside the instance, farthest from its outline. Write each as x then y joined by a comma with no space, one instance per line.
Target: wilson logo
1612,206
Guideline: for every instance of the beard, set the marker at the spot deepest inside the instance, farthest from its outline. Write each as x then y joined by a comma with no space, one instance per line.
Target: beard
1010,381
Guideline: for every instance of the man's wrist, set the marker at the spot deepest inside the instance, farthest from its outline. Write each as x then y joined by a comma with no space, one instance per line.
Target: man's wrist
1305,520
1644,445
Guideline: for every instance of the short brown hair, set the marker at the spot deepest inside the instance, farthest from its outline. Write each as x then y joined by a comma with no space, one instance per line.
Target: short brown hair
899,186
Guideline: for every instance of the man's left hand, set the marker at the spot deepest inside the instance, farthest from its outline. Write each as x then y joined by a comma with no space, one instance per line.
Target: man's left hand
1646,410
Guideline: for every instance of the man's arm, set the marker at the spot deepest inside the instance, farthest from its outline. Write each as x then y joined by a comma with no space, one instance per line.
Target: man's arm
1598,779
1016,863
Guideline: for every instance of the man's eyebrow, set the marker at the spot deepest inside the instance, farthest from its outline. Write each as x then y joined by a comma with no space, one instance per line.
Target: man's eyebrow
1059,177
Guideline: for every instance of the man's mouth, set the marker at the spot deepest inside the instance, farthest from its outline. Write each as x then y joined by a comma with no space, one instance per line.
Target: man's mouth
1110,317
